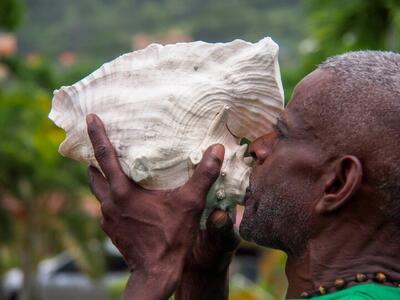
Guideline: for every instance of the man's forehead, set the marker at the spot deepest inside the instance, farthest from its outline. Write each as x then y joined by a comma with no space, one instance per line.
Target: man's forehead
293,119
310,85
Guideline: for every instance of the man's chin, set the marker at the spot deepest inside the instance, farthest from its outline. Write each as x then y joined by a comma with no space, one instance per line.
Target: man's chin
248,226
250,235
252,231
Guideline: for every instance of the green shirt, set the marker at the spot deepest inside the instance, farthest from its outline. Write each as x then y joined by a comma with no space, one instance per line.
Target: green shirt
367,291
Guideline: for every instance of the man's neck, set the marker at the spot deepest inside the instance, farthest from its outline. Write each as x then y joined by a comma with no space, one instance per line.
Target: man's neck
342,251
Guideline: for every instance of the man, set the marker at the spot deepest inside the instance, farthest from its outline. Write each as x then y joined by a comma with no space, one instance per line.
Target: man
325,188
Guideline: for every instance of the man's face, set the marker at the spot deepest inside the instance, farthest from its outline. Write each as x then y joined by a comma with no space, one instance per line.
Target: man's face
285,180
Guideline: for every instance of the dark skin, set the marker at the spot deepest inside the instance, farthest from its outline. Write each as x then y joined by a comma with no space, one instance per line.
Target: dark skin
347,233
157,232
324,215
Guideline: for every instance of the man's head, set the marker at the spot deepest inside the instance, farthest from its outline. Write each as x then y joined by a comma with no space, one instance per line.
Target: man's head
335,152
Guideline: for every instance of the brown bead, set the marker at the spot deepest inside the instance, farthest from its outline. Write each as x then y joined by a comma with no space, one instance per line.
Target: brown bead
360,277
380,277
322,290
304,294
339,283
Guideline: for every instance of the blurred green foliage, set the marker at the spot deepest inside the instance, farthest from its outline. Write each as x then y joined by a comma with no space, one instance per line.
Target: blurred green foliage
29,145
101,29
40,190
11,12
41,211
348,25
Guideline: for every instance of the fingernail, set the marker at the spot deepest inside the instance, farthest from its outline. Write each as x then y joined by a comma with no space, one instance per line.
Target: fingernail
219,219
217,150
90,118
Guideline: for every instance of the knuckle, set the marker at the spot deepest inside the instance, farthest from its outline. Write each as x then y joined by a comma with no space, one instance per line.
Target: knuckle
102,152
95,137
120,191
214,162
92,130
118,196
106,208
195,203
195,199
210,173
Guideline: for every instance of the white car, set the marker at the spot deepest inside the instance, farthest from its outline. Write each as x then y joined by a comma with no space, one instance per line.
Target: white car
59,278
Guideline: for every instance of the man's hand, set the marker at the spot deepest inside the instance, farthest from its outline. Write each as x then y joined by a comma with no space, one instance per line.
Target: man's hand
154,230
205,274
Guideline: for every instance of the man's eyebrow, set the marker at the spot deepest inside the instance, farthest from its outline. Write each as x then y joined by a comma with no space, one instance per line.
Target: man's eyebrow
281,127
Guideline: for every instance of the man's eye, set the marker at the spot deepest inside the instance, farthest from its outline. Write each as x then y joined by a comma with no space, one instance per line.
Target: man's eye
280,129
279,133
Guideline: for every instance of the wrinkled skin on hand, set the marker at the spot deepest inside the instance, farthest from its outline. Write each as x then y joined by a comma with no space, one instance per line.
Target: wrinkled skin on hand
213,248
205,274
157,232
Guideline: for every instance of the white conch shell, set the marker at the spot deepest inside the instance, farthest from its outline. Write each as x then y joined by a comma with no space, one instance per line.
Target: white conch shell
164,105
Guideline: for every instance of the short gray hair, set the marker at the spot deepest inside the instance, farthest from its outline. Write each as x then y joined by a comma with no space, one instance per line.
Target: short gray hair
377,68
364,103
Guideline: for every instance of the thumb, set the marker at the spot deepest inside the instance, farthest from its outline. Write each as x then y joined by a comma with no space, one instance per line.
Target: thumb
207,171
221,231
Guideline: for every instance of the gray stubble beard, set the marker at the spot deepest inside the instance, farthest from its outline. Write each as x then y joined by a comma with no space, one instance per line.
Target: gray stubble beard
277,220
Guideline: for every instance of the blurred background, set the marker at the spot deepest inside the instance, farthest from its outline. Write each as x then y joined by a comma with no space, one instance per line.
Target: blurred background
51,245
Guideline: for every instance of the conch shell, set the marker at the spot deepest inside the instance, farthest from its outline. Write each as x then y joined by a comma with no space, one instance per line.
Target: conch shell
164,105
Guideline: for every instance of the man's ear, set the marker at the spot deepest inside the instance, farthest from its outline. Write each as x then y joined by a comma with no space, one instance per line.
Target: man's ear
343,182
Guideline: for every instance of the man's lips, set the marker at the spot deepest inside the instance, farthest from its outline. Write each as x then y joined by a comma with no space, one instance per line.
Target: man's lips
247,201
247,197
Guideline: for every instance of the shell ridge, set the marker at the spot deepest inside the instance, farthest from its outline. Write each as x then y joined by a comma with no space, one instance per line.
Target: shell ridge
161,104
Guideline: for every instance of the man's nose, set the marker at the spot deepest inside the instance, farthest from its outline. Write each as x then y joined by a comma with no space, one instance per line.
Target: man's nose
261,147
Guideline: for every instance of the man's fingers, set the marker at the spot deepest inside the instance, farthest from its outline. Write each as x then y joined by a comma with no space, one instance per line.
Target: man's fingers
98,184
103,150
221,232
207,171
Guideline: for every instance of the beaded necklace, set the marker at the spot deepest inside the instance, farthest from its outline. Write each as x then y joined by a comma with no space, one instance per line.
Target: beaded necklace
341,283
